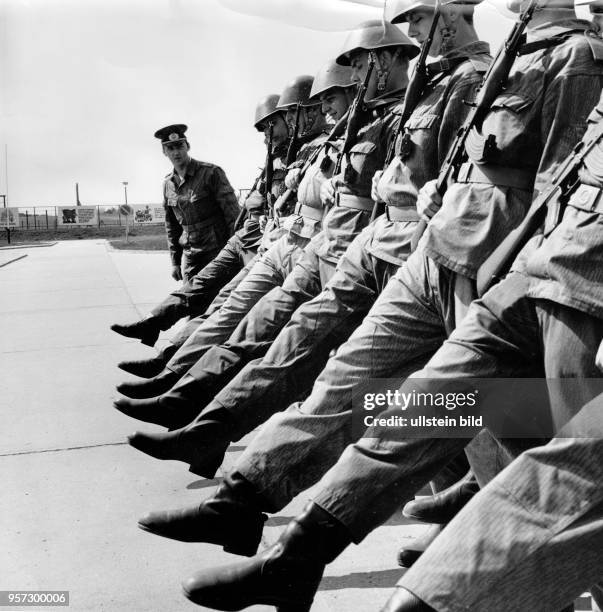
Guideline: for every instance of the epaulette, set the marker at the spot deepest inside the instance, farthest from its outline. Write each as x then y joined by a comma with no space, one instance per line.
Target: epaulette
595,44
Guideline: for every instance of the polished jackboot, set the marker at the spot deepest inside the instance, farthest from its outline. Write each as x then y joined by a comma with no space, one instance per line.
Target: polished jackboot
409,553
174,409
153,387
147,368
404,601
442,507
202,446
232,518
286,575
147,330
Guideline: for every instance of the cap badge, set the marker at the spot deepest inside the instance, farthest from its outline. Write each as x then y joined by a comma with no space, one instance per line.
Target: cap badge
173,136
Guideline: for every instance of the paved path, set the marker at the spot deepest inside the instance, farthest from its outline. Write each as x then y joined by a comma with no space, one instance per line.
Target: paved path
72,488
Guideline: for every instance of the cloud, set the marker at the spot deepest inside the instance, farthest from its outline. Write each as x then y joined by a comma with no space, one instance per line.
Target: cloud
325,15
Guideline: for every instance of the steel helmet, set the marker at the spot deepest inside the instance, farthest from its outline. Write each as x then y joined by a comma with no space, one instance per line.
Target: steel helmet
266,107
373,35
296,92
403,7
329,76
515,5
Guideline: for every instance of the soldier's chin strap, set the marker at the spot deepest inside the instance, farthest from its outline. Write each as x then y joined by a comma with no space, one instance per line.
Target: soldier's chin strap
383,73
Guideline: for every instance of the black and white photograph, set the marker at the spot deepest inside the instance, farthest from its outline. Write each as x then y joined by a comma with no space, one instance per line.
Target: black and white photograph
298,305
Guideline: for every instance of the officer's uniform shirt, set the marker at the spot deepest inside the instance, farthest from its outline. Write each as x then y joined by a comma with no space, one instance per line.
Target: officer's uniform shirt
568,266
342,223
200,210
536,121
431,128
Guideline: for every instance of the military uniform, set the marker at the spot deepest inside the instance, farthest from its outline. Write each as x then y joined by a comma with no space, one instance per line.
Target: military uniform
300,351
200,212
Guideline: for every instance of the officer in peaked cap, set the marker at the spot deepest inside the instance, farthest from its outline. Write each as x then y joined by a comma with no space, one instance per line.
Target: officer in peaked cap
200,205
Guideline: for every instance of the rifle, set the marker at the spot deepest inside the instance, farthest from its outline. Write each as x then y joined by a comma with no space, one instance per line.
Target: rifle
494,80
292,150
412,97
562,184
334,134
269,172
354,115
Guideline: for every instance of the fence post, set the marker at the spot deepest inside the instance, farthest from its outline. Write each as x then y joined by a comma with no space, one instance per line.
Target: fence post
56,218
46,213
98,215
27,219
35,219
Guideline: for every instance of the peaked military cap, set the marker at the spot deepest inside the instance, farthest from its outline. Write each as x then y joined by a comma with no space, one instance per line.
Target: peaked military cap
171,133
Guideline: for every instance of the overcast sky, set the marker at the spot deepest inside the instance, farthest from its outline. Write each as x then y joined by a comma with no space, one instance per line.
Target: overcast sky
85,83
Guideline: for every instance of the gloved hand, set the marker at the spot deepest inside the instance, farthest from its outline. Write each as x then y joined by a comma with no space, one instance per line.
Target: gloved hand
429,200
374,189
293,178
327,192
176,273
599,357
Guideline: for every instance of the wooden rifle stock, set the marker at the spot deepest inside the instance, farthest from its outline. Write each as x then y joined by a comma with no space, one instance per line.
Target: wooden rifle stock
493,82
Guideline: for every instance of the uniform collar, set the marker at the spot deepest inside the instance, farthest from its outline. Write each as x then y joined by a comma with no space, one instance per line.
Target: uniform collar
386,101
190,170
557,28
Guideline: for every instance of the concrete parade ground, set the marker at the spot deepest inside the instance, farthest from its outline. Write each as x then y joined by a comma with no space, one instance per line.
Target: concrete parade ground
72,488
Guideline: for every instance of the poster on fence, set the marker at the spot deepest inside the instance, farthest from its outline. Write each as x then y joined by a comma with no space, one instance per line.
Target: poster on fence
9,217
77,215
148,213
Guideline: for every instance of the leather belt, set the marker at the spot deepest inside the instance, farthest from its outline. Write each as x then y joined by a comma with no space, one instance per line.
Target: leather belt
308,211
398,213
501,176
587,198
351,201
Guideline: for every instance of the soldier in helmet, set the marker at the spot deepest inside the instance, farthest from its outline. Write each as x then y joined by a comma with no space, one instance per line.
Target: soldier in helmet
280,248
350,189
194,297
200,205
299,352
535,122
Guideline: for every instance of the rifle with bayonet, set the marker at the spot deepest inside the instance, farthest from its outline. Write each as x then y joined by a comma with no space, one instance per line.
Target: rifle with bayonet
562,184
294,140
269,173
492,85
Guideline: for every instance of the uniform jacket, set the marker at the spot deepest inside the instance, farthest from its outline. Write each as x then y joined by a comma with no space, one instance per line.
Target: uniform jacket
200,210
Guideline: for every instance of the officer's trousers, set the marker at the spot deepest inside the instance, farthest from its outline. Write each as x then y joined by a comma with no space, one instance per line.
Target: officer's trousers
196,294
532,539
285,259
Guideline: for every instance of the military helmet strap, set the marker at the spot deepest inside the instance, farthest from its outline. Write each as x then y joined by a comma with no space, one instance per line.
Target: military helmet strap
447,32
382,73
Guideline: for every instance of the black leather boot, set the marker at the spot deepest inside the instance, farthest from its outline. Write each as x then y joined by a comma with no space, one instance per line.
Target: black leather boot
147,330
404,601
232,518
147,368
202,446
409,553
442,507
153,387
286,575
174,409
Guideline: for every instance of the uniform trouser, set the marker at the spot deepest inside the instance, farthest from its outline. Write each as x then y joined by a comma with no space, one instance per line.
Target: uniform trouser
503,335
532,539
280,262
193,324
193,263
196,294
412,316
301,349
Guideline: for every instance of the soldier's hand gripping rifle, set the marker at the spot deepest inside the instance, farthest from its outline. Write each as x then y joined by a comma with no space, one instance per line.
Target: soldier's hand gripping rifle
493,83
564,180
412,97
355,115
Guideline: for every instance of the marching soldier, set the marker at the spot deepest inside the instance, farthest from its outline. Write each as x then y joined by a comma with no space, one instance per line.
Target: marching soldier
529,123
200,206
